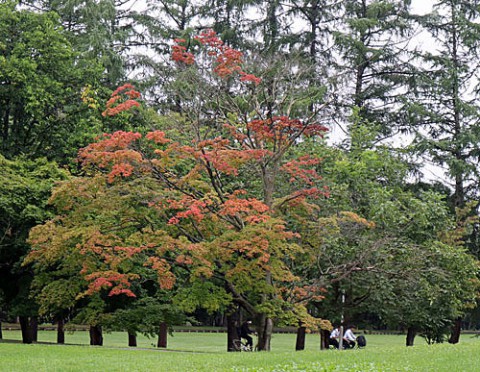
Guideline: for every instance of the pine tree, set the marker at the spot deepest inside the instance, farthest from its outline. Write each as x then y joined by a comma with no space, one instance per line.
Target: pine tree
373,63
106,31
445,112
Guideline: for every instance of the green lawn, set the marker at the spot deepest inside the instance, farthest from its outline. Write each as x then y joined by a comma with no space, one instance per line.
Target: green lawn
205,352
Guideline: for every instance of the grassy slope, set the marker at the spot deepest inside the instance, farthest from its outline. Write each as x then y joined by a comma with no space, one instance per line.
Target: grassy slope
205,352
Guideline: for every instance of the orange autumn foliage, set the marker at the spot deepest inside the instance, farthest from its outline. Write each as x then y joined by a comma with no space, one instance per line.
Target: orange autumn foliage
212,227
119,283
122,99
227,61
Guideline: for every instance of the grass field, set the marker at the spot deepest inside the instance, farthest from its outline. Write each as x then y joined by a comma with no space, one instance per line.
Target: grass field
206,352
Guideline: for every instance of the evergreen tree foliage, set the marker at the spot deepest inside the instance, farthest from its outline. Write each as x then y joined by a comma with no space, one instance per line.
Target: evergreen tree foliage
445,111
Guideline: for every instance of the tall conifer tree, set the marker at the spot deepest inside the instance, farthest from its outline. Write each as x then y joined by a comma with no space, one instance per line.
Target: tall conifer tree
373,63
446,110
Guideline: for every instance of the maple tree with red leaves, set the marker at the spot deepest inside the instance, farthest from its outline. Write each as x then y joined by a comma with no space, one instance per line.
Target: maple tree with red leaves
215,230
193,211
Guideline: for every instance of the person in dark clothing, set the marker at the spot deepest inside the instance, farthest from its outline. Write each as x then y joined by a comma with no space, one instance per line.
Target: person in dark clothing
245,333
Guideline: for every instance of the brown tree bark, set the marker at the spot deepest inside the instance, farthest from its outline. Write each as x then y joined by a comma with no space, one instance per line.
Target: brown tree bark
456,330
26,332
60,332
162,335
411,333
34,328
324,339
132,339
265,324
232,333
264,331
300,344
29,327
96,336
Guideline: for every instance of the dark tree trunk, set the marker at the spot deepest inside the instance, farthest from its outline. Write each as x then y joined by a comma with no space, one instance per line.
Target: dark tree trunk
29,326
456,330
162,335
264,323
60,332
300,344
96,336
26,339
34,328
1,333
232,333
132,339
411,333
324,339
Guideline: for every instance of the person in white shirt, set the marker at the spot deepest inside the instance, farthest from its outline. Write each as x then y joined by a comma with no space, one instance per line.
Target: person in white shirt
349,338
334,338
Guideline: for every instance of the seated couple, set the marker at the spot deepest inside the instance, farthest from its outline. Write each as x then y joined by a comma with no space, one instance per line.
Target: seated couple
348,341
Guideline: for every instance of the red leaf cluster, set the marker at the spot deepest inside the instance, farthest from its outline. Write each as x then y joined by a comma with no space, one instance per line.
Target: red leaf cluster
302,169
122,99
222,156
209,37
120,170
249,78
119,283
228,61
180,54
189,208
166,279
253,210
280,128
158,137
113,152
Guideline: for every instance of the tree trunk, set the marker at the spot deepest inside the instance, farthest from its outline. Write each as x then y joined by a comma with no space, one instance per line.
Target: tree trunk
456,330
132,339
96,336
162,335
300,344
411,333
26,330
34,328
60,332
324,339
232,333
26,339
1,333
268,176
265,330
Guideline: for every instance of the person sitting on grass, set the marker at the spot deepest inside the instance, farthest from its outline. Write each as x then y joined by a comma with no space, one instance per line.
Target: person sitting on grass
334,337
349,338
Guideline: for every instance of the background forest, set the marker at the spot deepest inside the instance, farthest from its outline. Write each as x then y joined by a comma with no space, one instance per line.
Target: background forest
261,160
